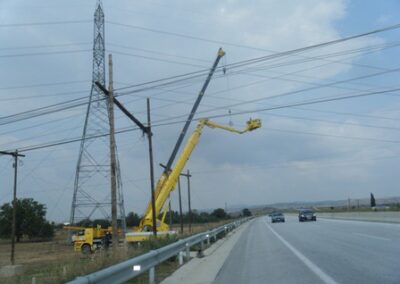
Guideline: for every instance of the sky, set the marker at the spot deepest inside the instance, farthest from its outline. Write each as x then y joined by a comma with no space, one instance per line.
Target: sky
321,151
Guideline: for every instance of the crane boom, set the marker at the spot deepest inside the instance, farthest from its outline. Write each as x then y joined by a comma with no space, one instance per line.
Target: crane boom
168,180
220,54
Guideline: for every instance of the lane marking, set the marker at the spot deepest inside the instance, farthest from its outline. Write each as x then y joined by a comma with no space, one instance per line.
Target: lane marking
372,237
361,222
314,268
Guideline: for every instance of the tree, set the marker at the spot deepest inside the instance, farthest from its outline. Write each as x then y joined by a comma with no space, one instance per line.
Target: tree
132,219
104,223
219,213
84,223
246,212
30,220
373,203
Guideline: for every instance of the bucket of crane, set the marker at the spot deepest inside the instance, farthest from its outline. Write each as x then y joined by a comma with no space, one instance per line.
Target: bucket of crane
253,124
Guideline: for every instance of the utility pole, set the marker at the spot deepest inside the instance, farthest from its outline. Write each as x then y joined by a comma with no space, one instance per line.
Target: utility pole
180,204
153,199
170,212
14,213
146,130
112,155
189,201
188,176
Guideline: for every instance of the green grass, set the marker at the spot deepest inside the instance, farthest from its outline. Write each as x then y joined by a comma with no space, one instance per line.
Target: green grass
64,265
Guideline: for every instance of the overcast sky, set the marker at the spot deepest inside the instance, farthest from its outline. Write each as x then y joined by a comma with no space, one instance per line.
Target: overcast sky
333,150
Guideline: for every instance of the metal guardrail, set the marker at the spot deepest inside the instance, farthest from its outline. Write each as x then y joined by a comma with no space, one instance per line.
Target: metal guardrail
129,269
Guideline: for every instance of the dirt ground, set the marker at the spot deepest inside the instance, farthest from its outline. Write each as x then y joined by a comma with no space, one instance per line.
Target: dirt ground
56,261
28,253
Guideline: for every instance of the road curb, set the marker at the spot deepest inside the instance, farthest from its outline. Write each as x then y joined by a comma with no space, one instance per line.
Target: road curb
204,270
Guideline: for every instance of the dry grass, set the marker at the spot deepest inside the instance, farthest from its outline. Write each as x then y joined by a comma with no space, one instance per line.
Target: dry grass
56,261
197,228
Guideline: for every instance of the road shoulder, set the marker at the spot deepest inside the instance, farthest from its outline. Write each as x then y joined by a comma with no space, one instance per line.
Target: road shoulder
204,270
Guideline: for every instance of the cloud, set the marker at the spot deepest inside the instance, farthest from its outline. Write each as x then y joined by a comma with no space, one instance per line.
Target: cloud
277,163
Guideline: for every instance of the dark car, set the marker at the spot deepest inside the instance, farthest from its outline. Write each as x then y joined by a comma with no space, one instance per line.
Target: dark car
307,215
277,217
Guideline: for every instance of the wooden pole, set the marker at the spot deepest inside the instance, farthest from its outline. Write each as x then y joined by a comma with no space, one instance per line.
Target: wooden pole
112,155
153,199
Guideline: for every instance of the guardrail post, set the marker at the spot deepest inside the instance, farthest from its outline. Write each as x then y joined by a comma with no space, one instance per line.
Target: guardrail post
200,252
64,272
152,275
33,280
180,258
187,252
154,258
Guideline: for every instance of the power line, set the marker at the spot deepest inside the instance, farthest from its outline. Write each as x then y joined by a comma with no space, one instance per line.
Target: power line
312,102
388,28
293,117
334,122
44,46
292,165
45,53
78,102
334,136
37,125
129,129
43,110
348,113
184,77
43,85
154,58
43,96
158,52
312,88
44,23
278,77
275,55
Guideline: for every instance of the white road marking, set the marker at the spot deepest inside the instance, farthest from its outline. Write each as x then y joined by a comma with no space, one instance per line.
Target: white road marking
360,222
312,266
372,237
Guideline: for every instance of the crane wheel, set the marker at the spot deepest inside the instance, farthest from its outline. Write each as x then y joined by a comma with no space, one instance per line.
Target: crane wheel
85,249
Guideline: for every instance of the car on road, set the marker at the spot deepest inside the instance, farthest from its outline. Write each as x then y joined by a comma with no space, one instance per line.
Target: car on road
277,217
307,215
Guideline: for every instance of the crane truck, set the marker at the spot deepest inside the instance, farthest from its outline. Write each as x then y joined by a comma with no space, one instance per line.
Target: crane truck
92,238
168,180
87,240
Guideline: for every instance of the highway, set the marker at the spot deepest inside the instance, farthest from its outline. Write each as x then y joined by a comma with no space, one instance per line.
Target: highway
326,251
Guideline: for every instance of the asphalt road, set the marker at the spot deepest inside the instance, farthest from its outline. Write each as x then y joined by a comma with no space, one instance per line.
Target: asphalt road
326,251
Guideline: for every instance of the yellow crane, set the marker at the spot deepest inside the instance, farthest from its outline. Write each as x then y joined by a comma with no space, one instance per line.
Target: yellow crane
168,180
88,238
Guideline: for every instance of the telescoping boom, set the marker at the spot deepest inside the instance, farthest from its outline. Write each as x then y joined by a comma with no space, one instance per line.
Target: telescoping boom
168,180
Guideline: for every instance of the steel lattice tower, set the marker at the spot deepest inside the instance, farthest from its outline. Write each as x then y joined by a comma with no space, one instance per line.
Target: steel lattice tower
92,194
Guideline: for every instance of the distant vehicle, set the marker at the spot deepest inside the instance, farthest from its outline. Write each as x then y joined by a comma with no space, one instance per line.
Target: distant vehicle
277,217
307,215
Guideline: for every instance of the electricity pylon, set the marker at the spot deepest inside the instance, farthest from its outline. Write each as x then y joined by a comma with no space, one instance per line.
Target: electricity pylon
92,194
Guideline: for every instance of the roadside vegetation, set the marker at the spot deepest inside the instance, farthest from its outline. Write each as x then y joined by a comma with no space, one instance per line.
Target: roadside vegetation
50,258
31,223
